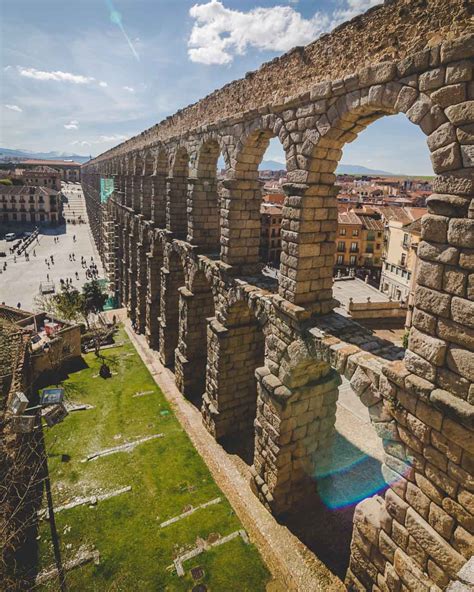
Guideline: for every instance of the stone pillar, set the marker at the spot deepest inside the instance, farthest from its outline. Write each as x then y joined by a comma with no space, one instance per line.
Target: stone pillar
430,396
176,197
136,193
158,206
171,281
240,223
125,264
128,190
191,353
132,273
294,429
230,400
203,214
154,263
308,235
146,197
141,287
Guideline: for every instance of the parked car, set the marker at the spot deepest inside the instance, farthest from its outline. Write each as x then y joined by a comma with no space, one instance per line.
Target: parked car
10,236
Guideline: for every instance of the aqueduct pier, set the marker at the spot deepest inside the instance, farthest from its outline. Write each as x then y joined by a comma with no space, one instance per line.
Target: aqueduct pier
182,252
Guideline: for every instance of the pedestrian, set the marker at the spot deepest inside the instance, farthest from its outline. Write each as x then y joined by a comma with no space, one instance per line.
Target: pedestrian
18,305
14,258
47,276
34,253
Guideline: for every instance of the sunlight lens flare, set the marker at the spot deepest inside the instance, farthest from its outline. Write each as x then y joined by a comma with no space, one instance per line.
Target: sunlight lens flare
116,19
346,475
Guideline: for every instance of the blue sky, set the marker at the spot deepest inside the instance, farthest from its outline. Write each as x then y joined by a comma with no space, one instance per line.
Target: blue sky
83,76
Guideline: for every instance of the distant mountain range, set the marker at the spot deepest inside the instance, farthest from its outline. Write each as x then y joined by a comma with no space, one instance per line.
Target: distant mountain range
267,165
9,153
342,169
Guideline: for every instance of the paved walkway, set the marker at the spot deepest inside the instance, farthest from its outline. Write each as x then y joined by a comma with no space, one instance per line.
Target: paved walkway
20,283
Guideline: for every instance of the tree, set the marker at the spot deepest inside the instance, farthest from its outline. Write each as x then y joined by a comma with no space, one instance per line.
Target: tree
6,182
94,297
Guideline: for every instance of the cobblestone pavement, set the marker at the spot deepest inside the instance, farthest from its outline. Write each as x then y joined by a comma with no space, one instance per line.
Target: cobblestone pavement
20,283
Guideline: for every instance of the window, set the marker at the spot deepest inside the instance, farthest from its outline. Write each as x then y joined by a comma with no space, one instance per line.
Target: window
340,259
370,248
341,246
406,240
377,246
370,236
342,231
354,248
353,260
355,232
403,260
379,235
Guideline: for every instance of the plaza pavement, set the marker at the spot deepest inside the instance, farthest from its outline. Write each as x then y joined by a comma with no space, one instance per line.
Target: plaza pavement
19,284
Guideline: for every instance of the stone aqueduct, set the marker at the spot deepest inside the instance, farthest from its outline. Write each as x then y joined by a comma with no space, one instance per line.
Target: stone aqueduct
182,250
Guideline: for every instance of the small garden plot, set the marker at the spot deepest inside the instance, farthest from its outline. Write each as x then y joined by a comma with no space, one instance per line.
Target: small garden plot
167,478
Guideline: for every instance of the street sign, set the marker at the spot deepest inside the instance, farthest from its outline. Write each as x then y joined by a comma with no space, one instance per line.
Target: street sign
51,396
18,403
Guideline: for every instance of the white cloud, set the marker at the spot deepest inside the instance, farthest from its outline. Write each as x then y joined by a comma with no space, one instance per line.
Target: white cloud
6,68
14,108
101,140
129,89
103,84
219,33
72,125
56,76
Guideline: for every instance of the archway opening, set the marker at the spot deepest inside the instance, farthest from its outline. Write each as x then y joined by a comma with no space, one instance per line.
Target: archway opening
154,265
382,195
254,218
242,353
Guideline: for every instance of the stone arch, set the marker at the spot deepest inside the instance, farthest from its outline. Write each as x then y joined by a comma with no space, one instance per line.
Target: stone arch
173,278
203,199
311,461
306,269
236,347
197,308
241,194
176,193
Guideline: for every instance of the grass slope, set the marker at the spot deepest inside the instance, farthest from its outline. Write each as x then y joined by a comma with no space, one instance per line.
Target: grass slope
166,475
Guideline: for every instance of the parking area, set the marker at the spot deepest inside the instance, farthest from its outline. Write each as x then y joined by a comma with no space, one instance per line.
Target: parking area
21,276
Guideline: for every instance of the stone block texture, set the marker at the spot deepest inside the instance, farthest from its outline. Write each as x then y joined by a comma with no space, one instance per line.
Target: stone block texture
264,358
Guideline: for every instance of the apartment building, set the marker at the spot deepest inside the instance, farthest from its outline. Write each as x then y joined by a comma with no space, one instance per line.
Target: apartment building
359,243
43,176
20,203
402,235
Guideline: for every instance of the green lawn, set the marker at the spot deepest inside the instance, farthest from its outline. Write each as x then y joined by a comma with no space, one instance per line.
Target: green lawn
166,475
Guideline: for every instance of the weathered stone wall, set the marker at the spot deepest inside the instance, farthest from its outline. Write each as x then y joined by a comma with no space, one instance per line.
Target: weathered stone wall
179,282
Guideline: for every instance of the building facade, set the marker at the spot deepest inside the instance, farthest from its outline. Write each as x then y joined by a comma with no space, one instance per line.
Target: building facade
43,176
70,170
402,235
38,205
